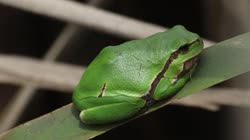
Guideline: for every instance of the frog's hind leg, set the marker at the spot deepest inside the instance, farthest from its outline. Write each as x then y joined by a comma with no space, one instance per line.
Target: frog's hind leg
108,109
109,113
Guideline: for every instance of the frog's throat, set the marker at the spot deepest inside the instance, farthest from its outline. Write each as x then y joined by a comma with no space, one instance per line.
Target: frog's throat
187,66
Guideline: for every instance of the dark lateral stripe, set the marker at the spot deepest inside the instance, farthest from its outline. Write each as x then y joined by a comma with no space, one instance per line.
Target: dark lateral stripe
173,56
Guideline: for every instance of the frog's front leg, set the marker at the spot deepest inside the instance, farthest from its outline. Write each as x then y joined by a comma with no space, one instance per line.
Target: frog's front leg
107,109
162,91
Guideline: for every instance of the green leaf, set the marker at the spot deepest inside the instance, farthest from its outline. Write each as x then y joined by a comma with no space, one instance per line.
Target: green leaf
216,64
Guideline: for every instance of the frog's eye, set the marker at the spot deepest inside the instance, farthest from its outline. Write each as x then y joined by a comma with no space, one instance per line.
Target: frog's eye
184,48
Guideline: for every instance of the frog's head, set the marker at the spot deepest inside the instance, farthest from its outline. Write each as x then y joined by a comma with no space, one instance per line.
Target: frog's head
185,47
187,55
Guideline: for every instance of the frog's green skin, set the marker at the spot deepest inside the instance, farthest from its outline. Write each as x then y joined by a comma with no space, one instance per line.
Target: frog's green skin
122,80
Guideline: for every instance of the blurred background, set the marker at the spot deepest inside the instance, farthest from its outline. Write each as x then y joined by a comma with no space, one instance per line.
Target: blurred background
24,33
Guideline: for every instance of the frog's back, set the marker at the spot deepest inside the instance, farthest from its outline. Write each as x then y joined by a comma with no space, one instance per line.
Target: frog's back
131,67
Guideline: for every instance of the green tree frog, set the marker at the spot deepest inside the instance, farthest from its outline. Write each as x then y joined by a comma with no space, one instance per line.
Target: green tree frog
123,80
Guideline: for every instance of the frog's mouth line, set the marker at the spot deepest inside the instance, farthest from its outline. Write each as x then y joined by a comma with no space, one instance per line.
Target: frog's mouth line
186,67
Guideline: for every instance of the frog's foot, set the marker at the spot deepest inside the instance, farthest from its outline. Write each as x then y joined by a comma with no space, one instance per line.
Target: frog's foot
102,110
